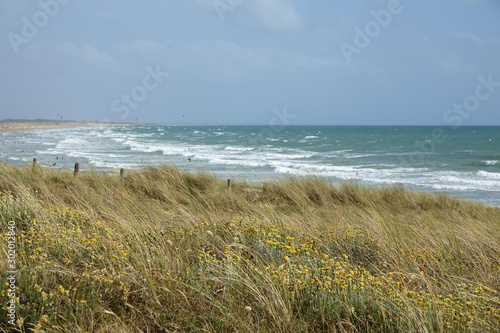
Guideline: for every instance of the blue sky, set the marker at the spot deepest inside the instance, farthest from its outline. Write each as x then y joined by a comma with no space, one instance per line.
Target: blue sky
235,61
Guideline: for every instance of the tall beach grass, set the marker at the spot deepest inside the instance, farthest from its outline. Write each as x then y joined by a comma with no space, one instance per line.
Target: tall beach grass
164,249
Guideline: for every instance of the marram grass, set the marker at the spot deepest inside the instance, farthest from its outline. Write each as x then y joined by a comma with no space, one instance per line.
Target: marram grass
167,250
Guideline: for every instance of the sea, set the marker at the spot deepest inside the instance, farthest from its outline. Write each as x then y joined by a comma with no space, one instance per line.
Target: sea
461,161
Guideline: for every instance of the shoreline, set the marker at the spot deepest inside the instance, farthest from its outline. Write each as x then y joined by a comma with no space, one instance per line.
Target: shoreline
14,126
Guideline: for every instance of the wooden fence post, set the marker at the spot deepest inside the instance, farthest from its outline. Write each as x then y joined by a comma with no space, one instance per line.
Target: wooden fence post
229,183
122,172
34,162
77,168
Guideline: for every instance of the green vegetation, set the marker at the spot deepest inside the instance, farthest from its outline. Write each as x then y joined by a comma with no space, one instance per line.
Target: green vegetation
167,250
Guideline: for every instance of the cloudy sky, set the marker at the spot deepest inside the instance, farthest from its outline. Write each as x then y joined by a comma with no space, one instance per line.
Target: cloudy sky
327,62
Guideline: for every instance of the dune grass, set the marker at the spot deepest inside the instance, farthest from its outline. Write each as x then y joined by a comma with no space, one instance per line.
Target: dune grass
167,250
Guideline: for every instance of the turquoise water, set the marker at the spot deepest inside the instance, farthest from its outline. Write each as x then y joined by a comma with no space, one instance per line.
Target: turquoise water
462,161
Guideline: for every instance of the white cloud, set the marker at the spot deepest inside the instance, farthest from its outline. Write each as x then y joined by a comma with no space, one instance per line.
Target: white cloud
454,66
472,37
277,15
221,60
87,52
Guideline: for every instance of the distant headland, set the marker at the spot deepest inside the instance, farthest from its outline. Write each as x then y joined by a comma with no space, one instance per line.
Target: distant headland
27,124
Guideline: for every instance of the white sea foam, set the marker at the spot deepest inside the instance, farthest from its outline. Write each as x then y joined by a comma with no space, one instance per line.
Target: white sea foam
238,148
292,171
71,142
489,175
119,140
250,163
358,155
49,152
141,147
114,165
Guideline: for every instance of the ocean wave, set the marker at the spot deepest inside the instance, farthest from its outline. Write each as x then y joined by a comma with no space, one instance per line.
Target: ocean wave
379,166
120,139
291,171
50,152
491,163
247,163
145,148
491,175
358,155
279,156
71,142
238,148
115,165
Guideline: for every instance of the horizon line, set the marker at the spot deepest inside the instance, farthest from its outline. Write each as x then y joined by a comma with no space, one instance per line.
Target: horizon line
11,120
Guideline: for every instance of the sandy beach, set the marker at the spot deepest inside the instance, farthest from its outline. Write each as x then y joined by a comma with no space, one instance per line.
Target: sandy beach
12,126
